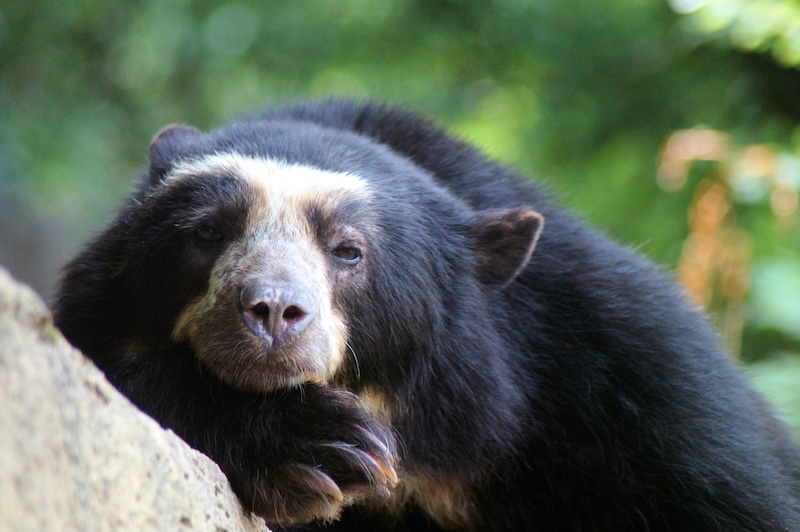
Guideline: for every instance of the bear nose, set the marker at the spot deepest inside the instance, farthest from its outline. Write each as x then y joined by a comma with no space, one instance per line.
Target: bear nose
275,310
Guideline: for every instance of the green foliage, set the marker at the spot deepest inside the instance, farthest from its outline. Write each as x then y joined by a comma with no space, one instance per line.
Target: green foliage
776,296
753,25
776,378
581,94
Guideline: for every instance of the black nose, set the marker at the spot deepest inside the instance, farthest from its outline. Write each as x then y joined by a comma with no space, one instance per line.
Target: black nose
275,310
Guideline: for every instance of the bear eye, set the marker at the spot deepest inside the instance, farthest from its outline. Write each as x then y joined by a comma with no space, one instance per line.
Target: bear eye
208,234
347,254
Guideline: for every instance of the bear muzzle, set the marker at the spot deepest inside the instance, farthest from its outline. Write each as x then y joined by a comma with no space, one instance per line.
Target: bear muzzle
276,310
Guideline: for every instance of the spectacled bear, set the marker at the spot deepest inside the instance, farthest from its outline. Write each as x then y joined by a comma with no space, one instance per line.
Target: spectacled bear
370,326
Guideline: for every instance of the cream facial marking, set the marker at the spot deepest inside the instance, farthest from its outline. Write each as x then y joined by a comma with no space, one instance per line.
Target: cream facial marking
278,243
280,181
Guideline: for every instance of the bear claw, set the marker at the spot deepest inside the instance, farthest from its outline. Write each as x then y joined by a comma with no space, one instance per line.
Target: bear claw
386,468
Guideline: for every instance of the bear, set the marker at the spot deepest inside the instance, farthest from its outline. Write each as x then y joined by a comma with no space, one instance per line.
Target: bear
369,325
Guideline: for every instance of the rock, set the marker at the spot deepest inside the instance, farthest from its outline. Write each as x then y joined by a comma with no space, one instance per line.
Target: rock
77,455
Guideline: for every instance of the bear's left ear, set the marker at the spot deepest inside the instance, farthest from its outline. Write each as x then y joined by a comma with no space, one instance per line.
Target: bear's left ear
167,147
504,243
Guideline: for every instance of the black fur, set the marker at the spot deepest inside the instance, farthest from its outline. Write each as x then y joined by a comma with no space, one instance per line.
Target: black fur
586,395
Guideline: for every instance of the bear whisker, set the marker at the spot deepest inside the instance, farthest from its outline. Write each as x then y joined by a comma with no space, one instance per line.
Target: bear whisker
355,360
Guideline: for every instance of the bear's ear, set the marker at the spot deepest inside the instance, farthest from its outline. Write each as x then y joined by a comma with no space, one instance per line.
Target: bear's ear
504,244
167,147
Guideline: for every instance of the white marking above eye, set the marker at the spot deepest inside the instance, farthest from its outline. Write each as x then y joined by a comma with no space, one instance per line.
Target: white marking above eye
278,179
281,191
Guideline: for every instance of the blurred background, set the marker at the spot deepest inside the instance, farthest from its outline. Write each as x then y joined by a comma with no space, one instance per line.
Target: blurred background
672,125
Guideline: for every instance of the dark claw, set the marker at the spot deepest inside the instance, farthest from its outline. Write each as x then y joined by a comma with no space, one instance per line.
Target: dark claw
387,469
321,483
364,468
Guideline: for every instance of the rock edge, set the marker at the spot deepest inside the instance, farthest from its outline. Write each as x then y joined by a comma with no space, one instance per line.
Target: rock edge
77,455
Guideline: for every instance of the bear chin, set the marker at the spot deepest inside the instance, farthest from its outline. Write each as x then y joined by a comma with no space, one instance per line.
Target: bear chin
261,371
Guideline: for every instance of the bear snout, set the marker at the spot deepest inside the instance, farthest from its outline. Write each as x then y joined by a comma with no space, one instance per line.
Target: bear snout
275,310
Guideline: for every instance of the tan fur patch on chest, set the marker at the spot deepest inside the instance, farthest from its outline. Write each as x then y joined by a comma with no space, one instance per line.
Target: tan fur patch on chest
446,501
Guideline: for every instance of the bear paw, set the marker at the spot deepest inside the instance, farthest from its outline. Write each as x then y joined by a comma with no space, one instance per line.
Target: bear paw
298,493
331,452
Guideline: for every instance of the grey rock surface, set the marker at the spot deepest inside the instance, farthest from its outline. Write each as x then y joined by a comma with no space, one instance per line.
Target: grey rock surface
76,455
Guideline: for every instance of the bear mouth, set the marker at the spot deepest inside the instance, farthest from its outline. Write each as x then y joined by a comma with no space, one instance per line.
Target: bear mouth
251,362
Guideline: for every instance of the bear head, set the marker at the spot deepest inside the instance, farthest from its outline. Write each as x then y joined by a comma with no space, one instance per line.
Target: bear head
285,252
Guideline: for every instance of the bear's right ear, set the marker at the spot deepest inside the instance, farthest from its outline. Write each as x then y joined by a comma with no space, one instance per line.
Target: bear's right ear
167,147
504,244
